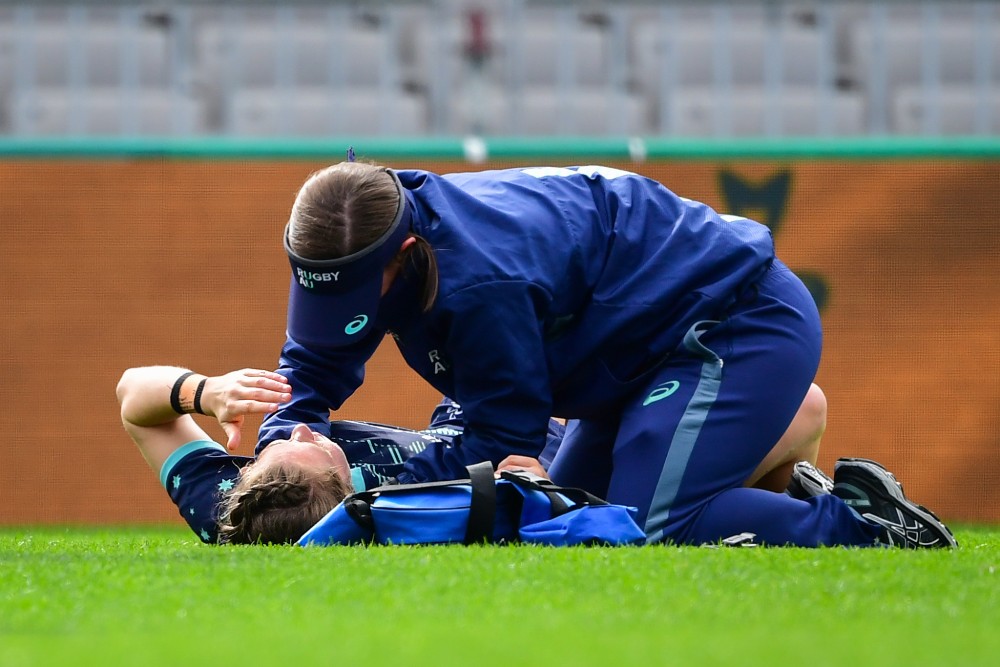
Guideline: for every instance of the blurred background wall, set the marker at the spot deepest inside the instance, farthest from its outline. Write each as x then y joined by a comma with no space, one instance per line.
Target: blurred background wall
149,153
415,68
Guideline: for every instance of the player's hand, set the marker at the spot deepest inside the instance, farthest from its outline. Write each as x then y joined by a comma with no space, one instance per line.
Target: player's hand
525,463
230,397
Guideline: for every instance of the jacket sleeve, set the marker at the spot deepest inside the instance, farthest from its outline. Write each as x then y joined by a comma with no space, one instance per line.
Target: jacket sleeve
501,378
321,380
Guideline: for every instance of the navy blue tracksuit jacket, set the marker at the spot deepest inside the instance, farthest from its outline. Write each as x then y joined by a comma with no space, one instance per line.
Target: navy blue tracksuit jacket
557,286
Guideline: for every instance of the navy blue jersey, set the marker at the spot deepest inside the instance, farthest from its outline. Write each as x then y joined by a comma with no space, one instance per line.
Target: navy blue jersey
560,289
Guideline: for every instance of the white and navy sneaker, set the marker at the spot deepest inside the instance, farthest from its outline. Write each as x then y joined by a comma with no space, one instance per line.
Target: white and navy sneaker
808,481
873,492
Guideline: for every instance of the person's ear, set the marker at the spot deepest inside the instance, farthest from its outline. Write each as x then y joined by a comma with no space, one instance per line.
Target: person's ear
394,267
407,243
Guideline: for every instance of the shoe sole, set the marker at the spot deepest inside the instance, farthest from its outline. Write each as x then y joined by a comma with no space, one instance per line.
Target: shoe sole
902,503
808,481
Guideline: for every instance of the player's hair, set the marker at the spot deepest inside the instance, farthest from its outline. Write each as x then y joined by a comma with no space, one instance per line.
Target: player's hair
346,207
277,504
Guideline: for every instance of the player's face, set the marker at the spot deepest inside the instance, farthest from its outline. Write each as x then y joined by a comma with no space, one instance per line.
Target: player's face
307,448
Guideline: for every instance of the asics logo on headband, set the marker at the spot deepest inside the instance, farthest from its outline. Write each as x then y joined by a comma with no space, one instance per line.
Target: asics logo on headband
310,278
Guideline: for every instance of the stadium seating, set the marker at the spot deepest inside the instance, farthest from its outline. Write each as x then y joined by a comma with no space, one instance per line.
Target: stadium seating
322,111
946,51
53,55
750,111
302,54
563,48
694,54
543,110
953,110
522,67
106,112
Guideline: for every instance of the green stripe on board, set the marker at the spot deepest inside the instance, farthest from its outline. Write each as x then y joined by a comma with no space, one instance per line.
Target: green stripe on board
854,148
480,149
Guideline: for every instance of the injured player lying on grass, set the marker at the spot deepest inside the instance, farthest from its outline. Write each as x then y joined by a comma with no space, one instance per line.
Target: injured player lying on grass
275,496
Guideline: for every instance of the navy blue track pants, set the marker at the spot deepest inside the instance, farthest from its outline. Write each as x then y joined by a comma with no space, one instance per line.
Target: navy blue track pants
682,447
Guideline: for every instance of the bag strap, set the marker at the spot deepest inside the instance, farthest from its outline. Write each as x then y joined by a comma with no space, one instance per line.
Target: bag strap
482,508
555,493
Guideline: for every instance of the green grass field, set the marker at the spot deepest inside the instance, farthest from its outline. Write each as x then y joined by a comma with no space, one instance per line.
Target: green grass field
142,596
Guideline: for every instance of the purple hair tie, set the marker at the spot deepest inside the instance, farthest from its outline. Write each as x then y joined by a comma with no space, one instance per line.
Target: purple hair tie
350,154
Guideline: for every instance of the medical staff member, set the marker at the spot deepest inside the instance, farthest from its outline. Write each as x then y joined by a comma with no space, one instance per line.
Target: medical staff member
671,336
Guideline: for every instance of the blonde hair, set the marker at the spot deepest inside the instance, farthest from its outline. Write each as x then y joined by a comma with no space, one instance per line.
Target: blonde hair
277,504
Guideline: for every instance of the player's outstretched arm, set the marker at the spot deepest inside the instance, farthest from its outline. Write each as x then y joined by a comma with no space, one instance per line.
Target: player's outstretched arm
156,403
